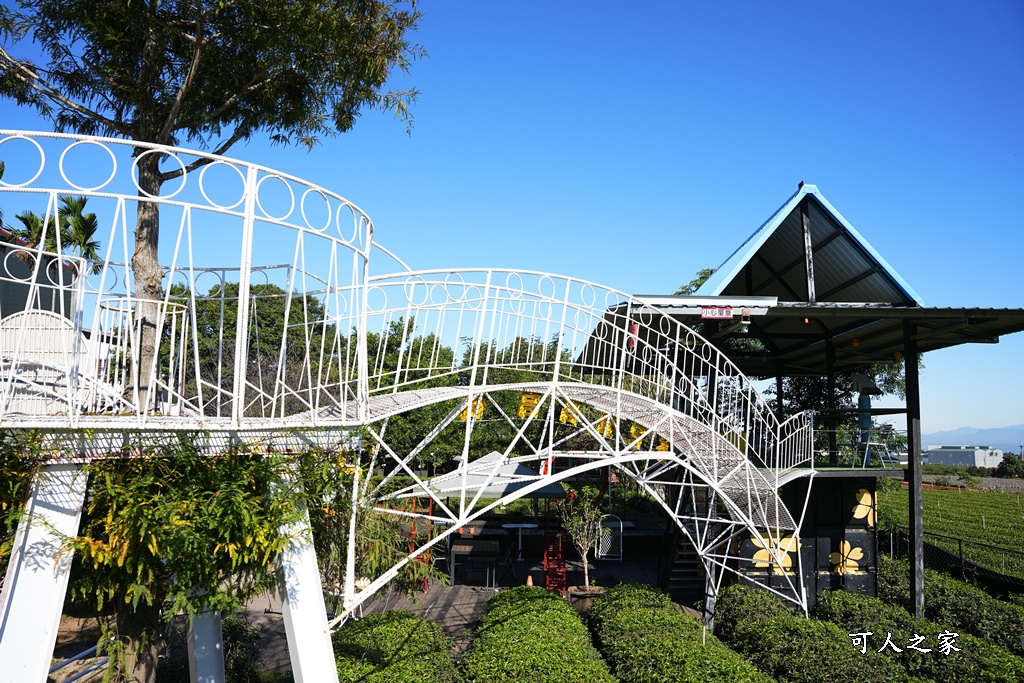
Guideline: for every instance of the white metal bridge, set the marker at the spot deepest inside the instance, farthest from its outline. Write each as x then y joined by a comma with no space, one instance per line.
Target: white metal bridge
282,320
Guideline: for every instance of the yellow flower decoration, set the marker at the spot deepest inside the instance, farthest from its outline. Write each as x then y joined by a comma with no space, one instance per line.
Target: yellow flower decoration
781,548
845,561
865,507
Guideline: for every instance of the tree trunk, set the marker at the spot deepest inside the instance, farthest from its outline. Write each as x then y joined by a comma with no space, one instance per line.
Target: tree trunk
586,569
141,628
148,279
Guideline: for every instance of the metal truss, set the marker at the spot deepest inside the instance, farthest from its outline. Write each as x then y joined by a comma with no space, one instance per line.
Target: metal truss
275,319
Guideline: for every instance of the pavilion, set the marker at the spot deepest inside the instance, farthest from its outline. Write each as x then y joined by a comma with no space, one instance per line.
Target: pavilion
818,300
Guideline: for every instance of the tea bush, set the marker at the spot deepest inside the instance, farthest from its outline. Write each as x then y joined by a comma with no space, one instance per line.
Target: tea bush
792,648
646,638
393,647
955,603
977,659
530,635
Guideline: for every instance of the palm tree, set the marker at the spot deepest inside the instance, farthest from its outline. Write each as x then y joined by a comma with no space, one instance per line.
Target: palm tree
77,232
80,230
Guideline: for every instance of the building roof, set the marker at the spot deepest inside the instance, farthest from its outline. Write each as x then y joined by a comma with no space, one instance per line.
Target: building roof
846,269
840,298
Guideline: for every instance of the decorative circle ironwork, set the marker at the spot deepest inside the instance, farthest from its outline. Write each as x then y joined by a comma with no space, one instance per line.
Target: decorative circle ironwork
588,297
411,286
357,219
327,203
42,161
291,197
459,286
371,305
202,184
64,175
170,155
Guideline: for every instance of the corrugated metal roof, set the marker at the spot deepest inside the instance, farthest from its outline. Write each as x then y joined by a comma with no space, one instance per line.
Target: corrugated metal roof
771,261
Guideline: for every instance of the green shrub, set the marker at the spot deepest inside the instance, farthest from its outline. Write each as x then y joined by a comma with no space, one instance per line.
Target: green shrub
743,604
646,638
977,660
625,596
393,647
791,648
531,635
957,604
799,650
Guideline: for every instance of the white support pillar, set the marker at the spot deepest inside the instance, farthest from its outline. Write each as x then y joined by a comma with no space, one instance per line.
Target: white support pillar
37,574
302,604
206,648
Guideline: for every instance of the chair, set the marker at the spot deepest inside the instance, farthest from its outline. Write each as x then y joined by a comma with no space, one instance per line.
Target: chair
506,566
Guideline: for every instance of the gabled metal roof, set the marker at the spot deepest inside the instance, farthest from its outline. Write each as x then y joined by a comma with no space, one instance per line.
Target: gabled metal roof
859,315
772,261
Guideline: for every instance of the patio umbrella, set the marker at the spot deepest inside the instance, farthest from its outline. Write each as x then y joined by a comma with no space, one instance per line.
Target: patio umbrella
509,478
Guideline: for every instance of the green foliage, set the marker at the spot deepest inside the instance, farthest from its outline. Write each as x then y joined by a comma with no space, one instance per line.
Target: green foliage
76,230
953,602
645,637
177,530
738,605
393,647
993,518
382,542
242,650
161,71
604,607
978,659
530,635
19,460
1011,467
791,648
580,514
280,337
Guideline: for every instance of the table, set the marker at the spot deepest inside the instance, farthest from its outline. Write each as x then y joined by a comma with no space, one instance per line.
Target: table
520,527
485,550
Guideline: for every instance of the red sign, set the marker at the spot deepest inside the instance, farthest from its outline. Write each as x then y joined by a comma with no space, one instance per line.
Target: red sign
716,312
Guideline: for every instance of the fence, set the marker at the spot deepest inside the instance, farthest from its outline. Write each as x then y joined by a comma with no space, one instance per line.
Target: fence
999,570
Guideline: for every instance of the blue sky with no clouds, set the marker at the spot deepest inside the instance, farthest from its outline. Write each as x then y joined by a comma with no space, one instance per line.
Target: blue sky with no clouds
633,145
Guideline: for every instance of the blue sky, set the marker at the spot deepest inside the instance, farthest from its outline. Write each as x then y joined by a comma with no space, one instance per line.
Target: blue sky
634,146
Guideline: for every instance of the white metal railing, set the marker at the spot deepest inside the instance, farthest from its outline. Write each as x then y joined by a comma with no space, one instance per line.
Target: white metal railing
235,237
483,328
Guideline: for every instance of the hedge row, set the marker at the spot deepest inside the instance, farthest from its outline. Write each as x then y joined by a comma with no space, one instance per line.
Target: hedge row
791,648
955,603
393,647
646,638
977,660
529,634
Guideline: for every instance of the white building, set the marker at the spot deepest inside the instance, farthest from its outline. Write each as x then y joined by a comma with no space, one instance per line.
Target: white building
965,456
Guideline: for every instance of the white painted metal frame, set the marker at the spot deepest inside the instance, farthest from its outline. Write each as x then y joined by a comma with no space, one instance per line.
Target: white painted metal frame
329,343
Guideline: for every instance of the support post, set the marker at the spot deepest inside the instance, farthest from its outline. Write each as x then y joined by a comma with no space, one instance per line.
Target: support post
830,401
910,364
37,573
206,648
302,605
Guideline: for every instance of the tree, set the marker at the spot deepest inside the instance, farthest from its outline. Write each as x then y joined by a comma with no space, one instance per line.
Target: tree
209,72
179,531
580,514
76,231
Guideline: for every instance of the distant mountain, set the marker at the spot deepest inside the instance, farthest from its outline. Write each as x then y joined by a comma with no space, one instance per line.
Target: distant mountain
1003,438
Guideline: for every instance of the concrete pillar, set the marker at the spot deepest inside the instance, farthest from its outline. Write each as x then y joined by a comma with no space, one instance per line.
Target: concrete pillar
37,573
206,648
302,604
